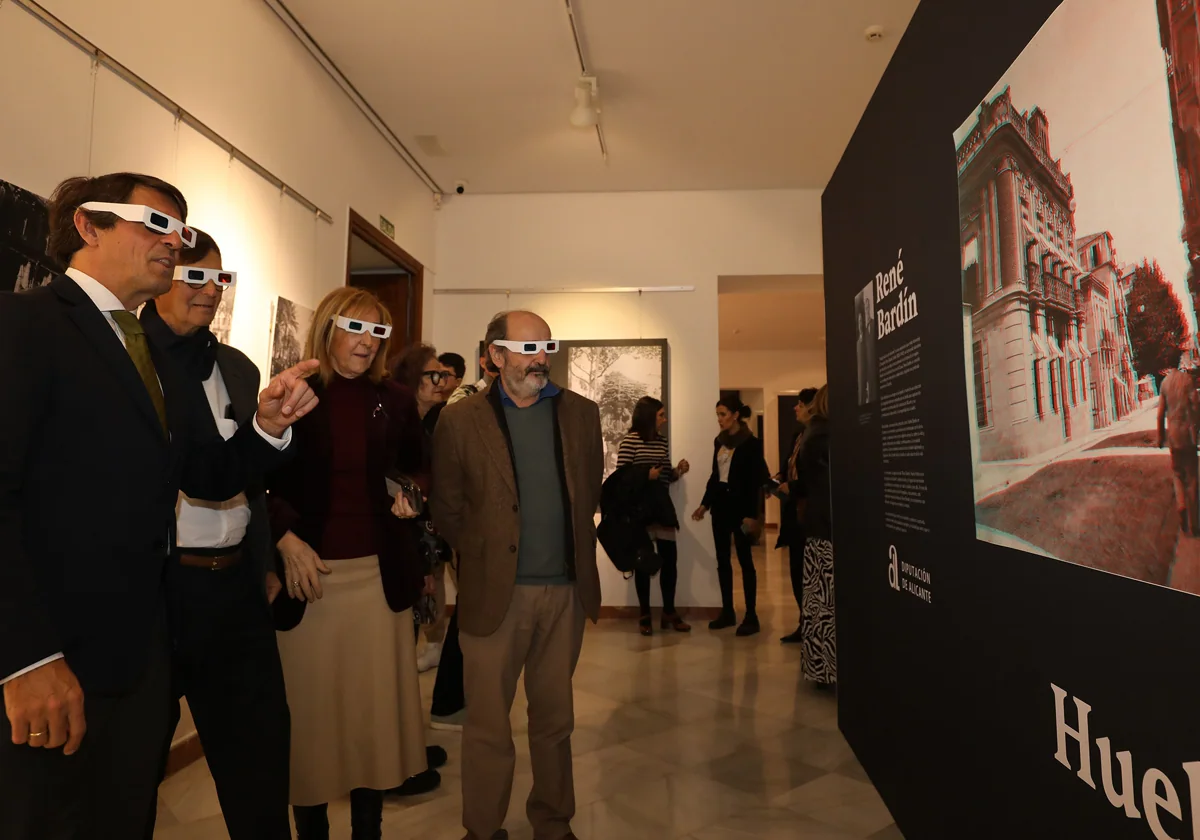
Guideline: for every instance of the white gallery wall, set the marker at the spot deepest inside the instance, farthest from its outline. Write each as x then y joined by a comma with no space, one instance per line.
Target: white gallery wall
548,242
772,373
237,68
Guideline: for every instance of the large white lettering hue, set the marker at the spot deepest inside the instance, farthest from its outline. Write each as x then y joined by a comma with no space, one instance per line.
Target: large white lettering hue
1082,710
1152,801
893,568
1125,799
1158,793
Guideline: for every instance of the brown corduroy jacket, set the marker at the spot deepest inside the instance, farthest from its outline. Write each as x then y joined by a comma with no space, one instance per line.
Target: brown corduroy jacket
477,509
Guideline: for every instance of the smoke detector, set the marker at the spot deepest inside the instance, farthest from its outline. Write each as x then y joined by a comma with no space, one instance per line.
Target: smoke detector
873,33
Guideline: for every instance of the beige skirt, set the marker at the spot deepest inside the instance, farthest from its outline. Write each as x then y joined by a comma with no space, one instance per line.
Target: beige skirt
351,673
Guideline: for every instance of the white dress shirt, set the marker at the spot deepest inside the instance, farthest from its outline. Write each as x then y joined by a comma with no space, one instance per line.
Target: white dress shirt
108,303
214,524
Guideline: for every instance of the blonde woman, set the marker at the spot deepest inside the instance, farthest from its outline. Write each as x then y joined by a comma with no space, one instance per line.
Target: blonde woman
351,572
816,600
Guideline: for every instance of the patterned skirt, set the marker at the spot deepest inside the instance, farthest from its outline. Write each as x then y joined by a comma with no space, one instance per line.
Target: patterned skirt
819,640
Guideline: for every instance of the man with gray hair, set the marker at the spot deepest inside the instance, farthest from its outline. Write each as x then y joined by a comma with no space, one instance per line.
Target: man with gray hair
518,470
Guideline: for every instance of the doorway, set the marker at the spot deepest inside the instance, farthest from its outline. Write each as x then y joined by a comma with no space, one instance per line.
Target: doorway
376,263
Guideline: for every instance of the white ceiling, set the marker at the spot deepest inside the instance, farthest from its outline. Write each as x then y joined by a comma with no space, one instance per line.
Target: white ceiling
696,94
771,313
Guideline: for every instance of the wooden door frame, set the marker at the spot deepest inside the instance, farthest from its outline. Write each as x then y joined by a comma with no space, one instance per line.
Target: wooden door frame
376,238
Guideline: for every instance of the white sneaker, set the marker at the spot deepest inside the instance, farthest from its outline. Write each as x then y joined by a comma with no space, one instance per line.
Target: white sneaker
430,657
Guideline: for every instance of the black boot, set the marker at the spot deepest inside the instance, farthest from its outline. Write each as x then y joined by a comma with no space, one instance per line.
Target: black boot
749,625
312,822
366,814
727,618
419,785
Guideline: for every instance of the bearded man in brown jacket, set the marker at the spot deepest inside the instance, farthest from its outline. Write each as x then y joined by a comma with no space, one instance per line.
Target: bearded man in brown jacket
517,471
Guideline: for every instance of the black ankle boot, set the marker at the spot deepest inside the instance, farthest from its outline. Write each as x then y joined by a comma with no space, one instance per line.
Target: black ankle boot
725,619
749,625
312,822
366,814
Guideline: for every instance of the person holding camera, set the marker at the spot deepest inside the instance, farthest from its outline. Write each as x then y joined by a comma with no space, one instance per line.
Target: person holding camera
734,490
645,444
351,572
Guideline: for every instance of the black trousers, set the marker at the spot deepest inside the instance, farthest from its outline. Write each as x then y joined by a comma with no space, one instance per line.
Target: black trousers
796,564
106,788
226,663
448,693
727,526
668,578
366,817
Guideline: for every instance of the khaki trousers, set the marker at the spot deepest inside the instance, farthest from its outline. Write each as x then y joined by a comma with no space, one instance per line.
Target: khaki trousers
542,634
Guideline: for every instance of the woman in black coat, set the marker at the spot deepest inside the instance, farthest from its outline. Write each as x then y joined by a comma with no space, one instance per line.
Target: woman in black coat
734,491
791,506
816,609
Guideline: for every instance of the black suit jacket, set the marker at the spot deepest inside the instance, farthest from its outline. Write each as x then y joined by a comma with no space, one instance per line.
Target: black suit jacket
88,487
243,380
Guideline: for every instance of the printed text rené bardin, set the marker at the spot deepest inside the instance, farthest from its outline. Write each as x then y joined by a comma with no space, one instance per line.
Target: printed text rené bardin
905,308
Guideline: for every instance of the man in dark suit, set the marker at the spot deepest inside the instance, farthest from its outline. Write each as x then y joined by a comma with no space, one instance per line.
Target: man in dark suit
225,660
97,437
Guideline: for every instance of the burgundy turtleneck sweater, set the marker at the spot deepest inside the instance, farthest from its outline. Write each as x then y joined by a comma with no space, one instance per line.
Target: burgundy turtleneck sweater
350,528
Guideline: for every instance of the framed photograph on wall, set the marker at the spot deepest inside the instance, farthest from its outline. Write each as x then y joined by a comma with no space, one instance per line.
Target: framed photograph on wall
290,323
24,231
615,374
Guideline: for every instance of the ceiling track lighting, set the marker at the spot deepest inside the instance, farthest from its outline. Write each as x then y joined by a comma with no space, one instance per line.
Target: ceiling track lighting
585,114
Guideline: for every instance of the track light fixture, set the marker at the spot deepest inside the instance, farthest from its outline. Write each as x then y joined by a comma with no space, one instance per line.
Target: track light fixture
585,114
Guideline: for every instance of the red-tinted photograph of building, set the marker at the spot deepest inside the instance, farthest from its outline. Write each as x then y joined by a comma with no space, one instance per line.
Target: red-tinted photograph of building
1080,242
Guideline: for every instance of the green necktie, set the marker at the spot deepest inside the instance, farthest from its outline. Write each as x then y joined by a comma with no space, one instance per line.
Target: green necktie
139,350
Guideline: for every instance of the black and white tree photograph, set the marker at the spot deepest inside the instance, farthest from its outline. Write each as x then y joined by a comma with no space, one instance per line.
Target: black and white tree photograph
615,375
223,319
24,230
289,330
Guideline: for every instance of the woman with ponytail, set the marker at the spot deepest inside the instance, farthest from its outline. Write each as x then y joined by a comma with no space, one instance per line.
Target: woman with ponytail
734,491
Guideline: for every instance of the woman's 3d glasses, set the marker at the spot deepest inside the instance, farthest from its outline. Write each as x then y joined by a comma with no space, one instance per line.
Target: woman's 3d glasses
199,277
529,348
359,326
148,216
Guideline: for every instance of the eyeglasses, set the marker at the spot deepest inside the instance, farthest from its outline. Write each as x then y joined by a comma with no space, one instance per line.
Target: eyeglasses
148,216
529,348
199,277
356,326
437,377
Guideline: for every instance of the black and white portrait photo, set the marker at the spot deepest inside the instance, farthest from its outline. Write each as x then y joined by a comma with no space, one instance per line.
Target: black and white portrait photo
289,331
24,229
868,361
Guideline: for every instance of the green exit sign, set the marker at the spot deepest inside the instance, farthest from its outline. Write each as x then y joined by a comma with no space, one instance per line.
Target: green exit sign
387,227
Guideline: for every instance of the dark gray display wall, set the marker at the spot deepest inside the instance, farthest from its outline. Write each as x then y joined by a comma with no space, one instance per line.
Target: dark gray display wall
959,644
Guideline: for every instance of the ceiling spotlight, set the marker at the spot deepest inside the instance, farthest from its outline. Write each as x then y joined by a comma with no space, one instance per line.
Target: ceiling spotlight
585,114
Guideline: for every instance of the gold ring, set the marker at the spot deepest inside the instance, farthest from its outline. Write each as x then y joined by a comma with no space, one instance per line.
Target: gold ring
36,734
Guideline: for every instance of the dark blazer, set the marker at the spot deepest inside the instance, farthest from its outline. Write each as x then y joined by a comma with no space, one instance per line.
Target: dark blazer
243,380
88,487
814,469
299,493
748,474
478,510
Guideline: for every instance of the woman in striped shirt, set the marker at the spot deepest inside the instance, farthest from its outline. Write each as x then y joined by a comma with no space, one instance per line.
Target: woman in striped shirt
645,444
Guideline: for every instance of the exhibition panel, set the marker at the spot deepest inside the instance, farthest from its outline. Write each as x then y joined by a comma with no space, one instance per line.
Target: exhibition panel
1010,257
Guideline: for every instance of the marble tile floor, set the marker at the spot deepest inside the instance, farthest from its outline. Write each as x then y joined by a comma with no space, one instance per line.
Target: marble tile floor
699,736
